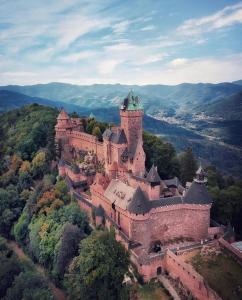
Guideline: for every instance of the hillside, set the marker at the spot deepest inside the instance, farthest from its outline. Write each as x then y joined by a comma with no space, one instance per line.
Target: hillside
227,108
11,100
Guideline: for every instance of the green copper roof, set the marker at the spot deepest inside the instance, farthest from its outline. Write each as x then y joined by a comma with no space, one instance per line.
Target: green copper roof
132,102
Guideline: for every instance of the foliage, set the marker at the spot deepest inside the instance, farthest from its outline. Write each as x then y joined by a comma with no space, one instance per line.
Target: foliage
97,132
39,164
227,195
68,247
29,285
162,154
10,267
92,126
188,166
10,209
98,271
21,228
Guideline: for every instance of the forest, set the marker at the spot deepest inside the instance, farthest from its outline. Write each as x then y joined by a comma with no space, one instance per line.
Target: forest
37,212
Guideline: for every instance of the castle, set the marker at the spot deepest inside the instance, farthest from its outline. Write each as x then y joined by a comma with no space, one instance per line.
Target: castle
111,184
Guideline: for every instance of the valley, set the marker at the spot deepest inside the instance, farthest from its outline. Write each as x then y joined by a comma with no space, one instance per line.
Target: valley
205,117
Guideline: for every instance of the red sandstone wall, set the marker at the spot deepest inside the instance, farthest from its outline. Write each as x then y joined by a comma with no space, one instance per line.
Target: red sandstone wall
171,222
193,281
87,142
131,122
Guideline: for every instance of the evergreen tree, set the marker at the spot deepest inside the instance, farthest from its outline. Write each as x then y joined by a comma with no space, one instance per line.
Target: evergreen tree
188,166
97,132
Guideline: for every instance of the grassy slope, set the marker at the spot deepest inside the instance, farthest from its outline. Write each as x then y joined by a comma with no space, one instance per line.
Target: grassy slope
223,274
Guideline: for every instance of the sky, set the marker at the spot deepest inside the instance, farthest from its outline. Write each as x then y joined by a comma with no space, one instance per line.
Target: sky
123,41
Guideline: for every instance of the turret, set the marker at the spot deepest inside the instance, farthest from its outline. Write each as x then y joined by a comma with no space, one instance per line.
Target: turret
200,175
63,123
154,181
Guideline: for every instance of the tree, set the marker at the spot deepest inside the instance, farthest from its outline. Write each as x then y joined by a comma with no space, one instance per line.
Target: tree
188,166
39,165
29,285
162,154
97,132
98,271
10,267
10,209
61,190
21,228
68,247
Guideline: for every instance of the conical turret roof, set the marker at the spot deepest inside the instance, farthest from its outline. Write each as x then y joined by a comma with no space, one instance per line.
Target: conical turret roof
63,115
153,176
139,203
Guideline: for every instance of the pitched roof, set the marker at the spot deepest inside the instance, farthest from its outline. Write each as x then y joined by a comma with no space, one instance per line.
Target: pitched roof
166,201
139,203
153,176
63,115
119,193
131,102
197,194
172,182
107,134
118,137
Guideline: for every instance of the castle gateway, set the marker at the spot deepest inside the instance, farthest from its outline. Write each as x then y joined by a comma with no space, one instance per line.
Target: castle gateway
150,215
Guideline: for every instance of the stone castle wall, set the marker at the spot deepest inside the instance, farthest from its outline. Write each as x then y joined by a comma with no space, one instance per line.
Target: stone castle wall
84,141
192,280
167,223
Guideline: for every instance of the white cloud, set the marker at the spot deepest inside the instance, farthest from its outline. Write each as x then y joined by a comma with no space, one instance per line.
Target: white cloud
75,57
108,66
148,28
228,16
178,62
121,27
151,58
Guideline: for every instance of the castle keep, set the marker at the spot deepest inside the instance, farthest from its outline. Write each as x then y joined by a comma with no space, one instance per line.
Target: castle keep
150,215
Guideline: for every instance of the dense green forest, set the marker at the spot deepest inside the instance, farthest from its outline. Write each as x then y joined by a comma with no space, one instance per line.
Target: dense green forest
38,213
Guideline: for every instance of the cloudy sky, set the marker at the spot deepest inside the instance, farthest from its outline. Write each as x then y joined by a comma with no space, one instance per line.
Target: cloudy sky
125,41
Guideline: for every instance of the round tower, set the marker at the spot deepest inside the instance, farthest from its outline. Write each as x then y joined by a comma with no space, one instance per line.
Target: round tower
63,123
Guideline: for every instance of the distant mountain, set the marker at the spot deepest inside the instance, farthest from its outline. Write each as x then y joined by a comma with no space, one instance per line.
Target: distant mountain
156,98
11,100
239,82
228,108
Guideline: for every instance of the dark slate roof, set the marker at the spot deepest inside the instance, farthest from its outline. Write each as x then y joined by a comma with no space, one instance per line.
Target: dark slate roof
99,211
153,176
166,201
197,194
118,137
107,134
132,150
125,152
139,203
172,182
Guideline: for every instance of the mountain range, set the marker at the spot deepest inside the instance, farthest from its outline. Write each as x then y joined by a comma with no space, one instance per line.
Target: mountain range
205,116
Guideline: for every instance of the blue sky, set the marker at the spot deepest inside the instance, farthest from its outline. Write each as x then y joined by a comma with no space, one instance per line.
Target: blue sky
108,41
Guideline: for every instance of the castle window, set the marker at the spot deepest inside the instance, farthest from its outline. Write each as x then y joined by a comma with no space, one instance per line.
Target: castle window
118,218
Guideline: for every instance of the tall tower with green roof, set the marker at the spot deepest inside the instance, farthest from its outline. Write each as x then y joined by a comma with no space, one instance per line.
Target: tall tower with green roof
131,114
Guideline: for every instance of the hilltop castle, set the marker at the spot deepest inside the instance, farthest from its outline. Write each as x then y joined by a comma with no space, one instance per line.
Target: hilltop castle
109,180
